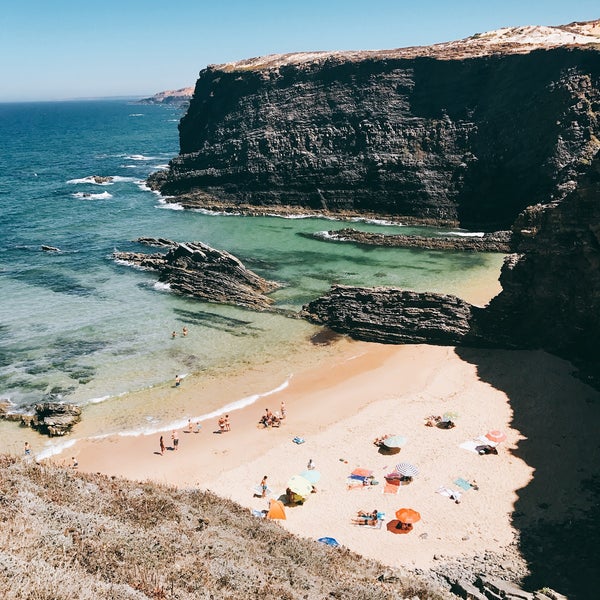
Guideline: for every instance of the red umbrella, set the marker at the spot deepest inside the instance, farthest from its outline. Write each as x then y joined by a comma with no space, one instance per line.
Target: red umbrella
396,526
495,435
407,515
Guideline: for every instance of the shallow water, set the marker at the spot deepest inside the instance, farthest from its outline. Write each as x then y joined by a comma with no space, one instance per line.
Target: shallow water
78,327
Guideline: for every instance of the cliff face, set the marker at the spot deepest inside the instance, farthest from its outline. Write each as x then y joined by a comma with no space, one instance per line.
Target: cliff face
469,137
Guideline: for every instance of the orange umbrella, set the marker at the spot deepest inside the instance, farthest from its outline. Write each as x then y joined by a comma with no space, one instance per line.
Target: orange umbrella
407,515
276,510
495,435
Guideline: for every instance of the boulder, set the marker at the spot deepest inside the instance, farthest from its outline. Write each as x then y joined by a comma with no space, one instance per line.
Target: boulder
54,418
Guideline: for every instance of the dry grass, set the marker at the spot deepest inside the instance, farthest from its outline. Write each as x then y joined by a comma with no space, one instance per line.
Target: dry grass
70,535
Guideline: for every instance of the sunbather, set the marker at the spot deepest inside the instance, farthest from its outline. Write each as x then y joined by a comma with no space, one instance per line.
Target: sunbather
486,449
364,518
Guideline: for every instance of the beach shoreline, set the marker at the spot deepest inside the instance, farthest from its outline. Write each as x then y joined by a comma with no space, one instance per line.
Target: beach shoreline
338,403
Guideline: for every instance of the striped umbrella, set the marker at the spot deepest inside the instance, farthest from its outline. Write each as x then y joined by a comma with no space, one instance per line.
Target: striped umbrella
406,469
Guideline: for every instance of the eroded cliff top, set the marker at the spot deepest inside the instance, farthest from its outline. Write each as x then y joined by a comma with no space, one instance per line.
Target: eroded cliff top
508,40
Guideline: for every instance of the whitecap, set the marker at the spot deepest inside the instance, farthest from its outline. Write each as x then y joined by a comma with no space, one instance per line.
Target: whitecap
86,196
140,157
137,115
54,449
162,287
463,233
161,167
90,179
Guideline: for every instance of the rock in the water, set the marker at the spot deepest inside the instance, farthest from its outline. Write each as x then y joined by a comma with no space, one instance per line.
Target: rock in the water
394,316
55,419
197,270
498,241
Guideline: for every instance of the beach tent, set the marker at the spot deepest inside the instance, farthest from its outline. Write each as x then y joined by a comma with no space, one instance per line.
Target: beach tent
276,510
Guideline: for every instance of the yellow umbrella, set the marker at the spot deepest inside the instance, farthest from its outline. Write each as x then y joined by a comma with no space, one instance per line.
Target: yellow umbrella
276,510
300,486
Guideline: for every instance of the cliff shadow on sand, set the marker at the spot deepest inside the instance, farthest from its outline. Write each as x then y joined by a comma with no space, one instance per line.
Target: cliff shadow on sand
557,515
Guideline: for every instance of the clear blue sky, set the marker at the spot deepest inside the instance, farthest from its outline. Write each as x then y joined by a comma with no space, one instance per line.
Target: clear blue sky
58,49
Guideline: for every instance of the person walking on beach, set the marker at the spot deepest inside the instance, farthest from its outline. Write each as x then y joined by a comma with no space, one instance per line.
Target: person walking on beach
311,465
177,381
27,449
263,487
162,445
74,463
175,438
282,409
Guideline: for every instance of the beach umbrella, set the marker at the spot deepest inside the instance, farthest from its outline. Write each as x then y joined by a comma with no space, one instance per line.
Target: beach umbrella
449,416
495,435
300,486
360,472
406,469
329,541
407,515
396,526
276,510
394,441
313,475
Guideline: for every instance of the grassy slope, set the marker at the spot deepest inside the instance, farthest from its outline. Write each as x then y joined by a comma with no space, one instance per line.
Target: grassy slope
70,535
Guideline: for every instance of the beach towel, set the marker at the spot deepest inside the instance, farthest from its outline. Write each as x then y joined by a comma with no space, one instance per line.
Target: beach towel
471,445
463,484
450,493
390,488
298,440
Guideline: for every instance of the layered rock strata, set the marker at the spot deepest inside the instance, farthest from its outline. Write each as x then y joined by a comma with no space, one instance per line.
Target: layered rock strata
498,241
393,316
471,132
195,269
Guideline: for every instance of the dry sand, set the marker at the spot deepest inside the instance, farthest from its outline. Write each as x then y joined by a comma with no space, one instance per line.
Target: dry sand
360,391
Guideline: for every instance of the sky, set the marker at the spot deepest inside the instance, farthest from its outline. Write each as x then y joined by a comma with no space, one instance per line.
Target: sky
69,49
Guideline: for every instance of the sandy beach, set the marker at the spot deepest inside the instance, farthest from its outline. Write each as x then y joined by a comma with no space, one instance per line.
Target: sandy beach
359,391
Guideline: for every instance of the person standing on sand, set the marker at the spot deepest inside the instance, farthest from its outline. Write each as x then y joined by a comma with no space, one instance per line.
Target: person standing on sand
162,445
175,438
227,423
74,463
282,409
27,449
263,487
177,381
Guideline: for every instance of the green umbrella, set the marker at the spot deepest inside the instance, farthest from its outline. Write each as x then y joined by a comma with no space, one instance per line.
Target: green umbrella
394,441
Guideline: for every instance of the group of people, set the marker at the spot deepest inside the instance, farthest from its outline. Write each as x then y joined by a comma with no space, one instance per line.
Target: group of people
224,424
270,419
184,333
366,518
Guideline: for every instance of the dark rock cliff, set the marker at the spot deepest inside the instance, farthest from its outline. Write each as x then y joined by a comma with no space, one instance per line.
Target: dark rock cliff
458,137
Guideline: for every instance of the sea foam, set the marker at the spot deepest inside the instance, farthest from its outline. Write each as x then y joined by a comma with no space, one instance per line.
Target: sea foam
86,196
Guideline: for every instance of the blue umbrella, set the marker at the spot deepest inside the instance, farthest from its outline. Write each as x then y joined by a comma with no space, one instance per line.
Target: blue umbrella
312,475
329,541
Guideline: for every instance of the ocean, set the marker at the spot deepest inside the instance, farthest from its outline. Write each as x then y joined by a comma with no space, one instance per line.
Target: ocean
77,327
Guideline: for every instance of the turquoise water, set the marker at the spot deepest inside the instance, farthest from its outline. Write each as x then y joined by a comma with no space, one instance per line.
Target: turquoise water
74,325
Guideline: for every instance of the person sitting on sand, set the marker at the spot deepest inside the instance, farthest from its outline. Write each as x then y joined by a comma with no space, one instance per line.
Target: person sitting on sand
275,420
446,424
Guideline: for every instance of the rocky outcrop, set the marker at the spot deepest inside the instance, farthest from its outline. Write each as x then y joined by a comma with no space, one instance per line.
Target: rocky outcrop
551,288
54,418
393,316
197,270
498,241
179,97
469,132
550,295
